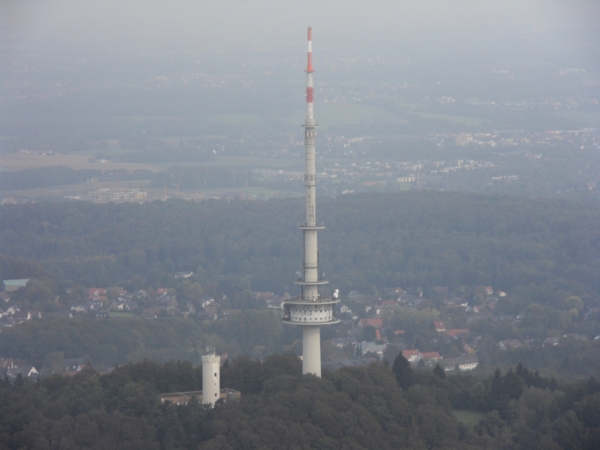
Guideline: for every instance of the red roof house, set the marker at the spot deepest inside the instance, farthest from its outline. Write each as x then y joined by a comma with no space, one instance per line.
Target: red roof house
412,355
375,322
457,332
439,326
432,356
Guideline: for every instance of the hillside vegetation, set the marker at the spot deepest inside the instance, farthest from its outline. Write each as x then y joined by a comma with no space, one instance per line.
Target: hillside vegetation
413,239
353,408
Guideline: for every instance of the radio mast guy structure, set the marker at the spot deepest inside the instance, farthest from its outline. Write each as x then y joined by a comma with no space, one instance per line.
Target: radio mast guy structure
310,310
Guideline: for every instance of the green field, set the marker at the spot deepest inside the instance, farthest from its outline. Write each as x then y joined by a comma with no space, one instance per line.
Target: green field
253,192
235,119
414,106
589,118
332,114
470,121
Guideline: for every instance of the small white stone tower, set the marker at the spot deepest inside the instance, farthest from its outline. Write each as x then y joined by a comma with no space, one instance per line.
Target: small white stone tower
211,379
310,310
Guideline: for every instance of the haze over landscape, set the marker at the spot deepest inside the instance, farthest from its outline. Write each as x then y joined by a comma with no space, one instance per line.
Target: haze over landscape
152,176
443,88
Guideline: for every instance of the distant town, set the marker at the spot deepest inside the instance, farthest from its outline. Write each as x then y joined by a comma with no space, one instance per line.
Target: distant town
366,332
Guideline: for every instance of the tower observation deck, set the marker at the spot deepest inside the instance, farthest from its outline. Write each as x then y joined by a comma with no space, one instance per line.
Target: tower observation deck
309,310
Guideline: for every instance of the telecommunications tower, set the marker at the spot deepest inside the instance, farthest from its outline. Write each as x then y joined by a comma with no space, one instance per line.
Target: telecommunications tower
309,309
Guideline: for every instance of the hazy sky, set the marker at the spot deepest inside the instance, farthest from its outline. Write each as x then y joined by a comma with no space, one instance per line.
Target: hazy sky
340,26
250,52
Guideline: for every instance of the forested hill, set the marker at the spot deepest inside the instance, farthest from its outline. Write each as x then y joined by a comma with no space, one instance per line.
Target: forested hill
420,238
371,407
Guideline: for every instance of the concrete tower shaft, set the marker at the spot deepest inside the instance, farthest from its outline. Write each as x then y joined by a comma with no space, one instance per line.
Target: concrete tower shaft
310,310
311,271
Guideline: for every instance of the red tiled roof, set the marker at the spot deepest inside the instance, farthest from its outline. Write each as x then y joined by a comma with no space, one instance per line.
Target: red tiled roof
375,322
439,325
97,291
431,355
453,333
388,303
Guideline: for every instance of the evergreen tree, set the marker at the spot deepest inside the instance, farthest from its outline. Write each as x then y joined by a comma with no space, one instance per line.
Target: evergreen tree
513,385
369,333
19,380
403,372
494,393
439,372
523,372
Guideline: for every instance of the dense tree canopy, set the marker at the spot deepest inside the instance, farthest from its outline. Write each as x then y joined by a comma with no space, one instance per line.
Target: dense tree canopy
409,239
116,341
357,408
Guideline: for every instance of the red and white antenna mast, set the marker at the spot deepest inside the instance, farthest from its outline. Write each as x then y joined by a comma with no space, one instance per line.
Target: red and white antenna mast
309,78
